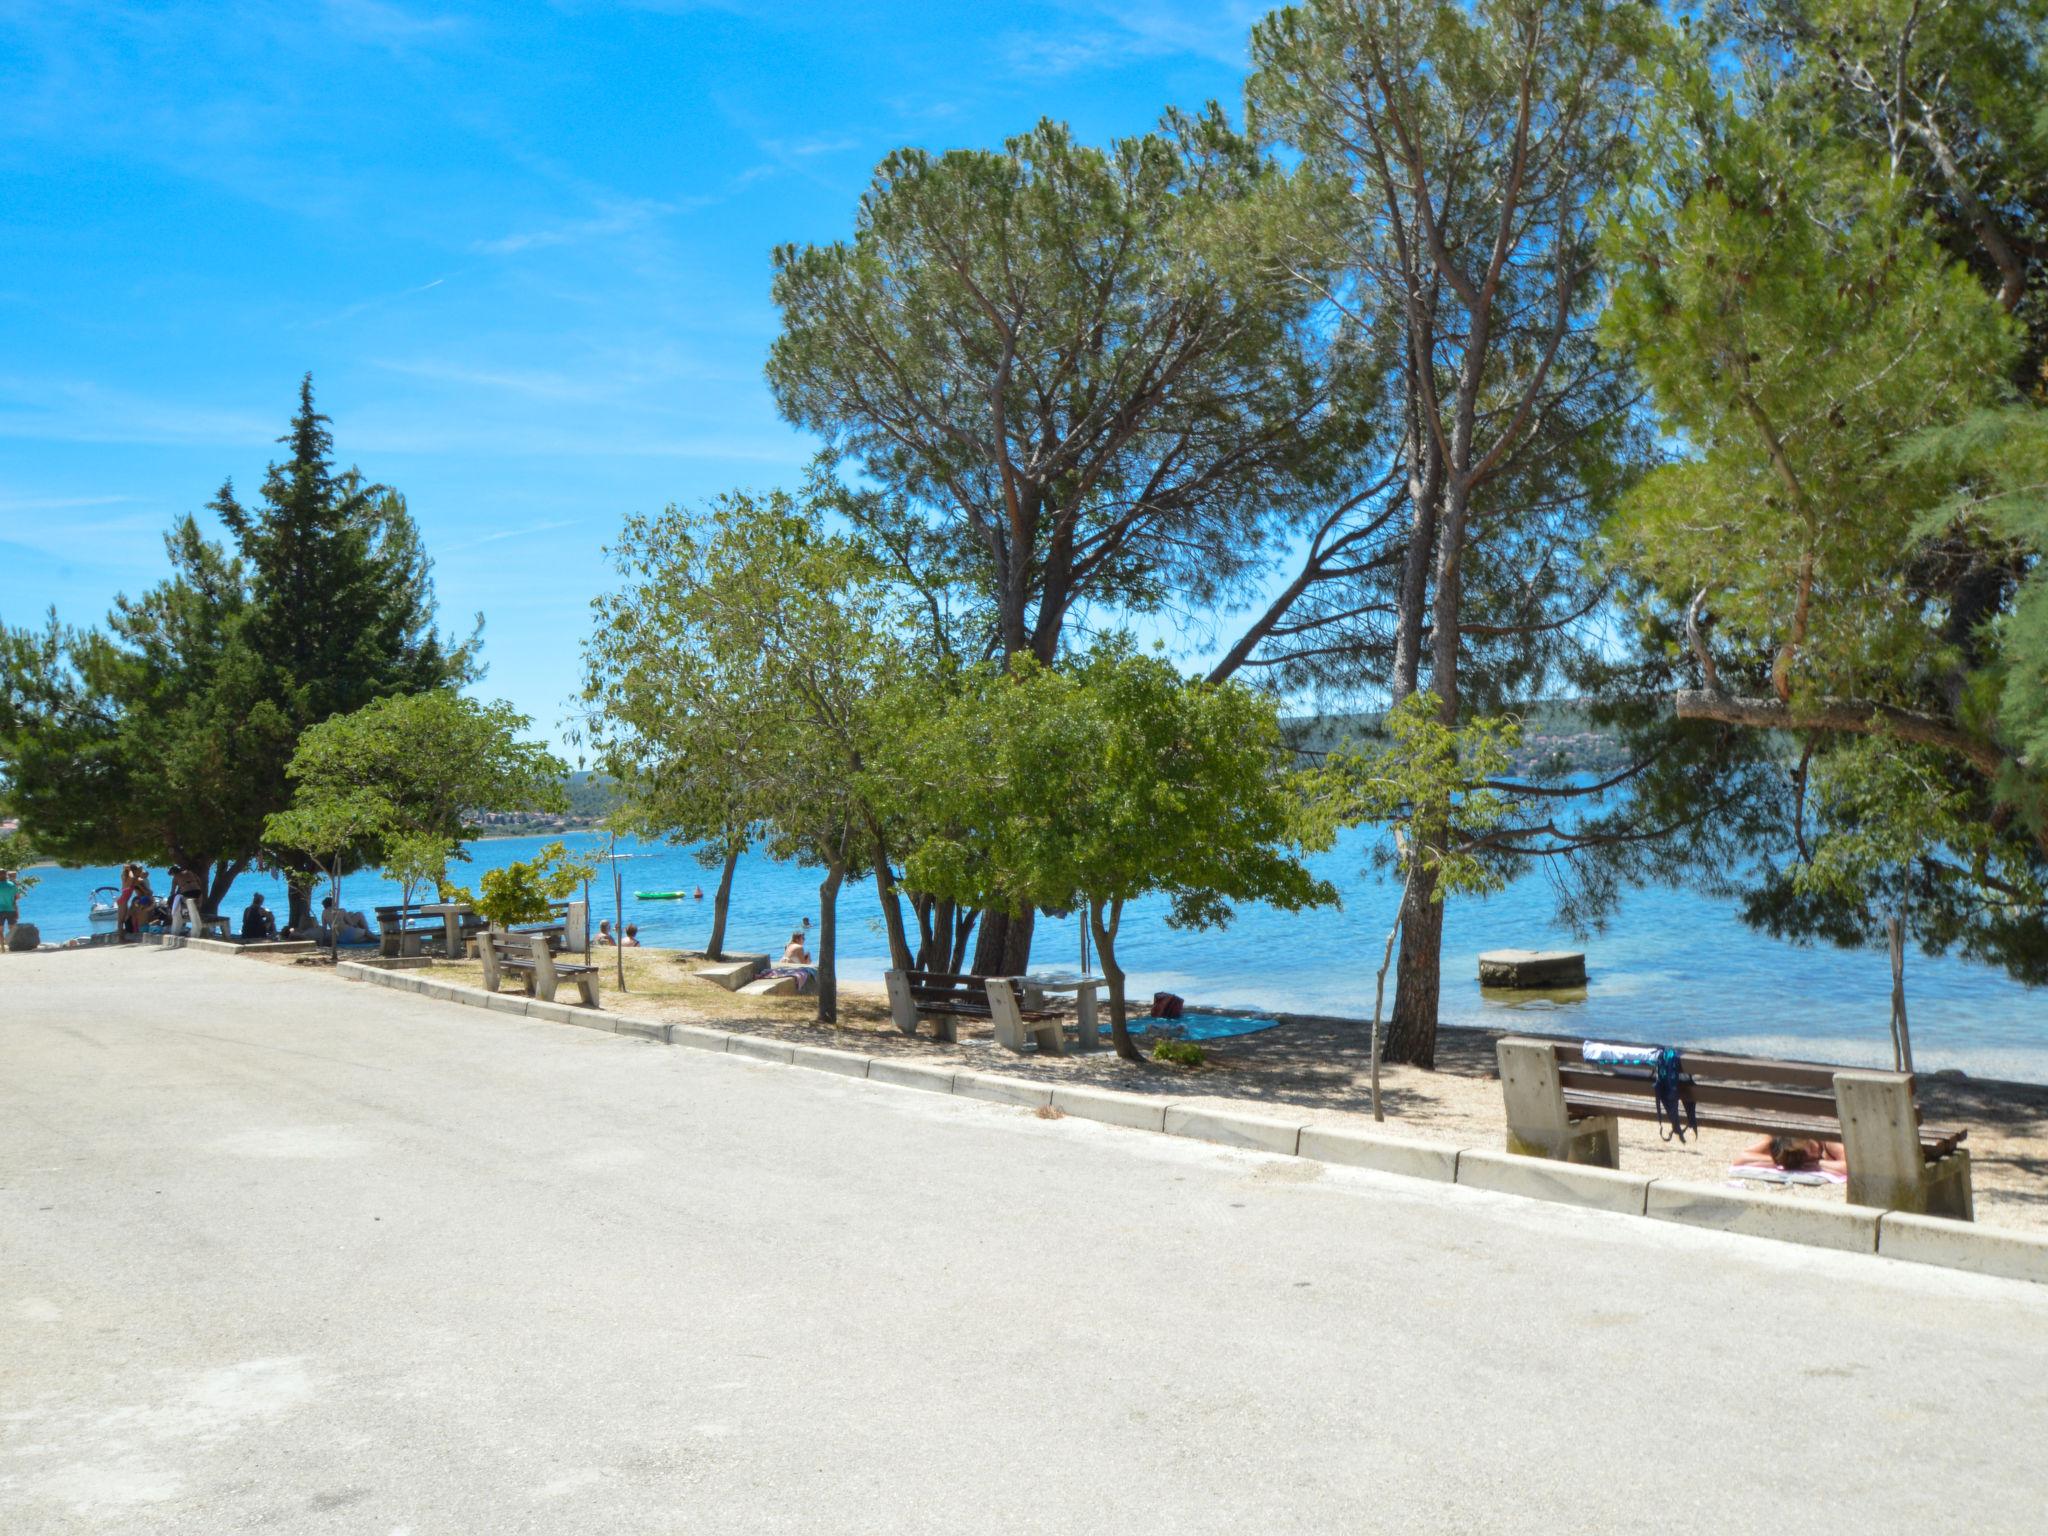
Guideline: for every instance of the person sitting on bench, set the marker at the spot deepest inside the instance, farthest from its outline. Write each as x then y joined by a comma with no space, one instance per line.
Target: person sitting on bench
1796,1154
794,952
259,923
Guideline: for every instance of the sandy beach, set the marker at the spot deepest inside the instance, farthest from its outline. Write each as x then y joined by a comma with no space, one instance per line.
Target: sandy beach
1322,1065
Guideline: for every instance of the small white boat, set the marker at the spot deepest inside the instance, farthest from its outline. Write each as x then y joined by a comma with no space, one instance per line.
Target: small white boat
106,909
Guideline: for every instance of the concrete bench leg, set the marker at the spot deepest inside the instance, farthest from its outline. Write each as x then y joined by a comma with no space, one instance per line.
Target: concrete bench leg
945,1028
1881,1137
541,979
902,1006
1538,1123
493,977
1005,1015
587,985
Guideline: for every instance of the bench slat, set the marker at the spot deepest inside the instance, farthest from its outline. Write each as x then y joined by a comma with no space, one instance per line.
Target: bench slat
1786,1101
1938,1141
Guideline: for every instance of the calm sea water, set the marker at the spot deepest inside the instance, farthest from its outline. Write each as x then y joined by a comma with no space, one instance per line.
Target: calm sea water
1673,967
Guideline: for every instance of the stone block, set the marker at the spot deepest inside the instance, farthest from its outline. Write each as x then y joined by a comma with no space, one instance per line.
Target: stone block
911,1074
731,974
1231,1129
772,986
1539,1178
1139,1111
697,1038
1532,968
822,1058
1788,1218
1964,1245
761,1048
1002,1090
1353,1148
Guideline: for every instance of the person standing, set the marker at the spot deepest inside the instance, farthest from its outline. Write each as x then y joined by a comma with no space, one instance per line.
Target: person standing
10,903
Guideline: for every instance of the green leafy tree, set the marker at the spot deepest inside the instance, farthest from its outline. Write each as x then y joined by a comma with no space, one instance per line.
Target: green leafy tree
166,731
737,680
1832,304
429,761
332,833
1454,159
1073,372
1433,787
416,861
152,736
1113,781
526,890
340,606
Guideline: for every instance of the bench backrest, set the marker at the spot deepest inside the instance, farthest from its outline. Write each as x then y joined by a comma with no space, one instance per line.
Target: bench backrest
945,988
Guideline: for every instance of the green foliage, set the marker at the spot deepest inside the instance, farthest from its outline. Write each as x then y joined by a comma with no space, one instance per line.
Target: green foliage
1826,266
1797,324
167,731
526,890
1076,371
1431,784
413,860
426,760
737,687
16,854
1104,783
1179,1053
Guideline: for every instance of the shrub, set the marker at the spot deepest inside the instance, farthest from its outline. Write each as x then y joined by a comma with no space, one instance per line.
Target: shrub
1182,1053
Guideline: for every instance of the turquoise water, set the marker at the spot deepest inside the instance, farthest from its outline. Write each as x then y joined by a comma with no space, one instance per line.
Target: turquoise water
1673,967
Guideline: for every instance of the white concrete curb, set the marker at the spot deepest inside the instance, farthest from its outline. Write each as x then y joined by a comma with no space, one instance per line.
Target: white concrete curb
1893,1234
1602,1189
1849,1227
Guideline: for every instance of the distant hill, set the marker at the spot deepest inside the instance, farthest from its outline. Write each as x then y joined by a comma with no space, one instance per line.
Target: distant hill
1550,728
591,798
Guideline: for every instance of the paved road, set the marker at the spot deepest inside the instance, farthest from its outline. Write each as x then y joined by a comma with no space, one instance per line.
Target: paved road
282,1254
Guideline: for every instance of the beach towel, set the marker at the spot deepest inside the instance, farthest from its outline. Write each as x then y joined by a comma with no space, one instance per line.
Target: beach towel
1619,1055
1787,1176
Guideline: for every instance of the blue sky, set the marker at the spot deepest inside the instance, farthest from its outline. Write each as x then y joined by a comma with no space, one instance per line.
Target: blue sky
523,249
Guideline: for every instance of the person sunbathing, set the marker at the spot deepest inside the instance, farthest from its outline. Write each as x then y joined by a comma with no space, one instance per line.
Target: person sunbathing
794,953
1796,1154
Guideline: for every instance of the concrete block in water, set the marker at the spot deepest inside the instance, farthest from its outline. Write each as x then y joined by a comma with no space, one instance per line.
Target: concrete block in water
1532,968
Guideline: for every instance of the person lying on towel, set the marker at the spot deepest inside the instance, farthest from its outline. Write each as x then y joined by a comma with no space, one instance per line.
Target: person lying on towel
1796,1154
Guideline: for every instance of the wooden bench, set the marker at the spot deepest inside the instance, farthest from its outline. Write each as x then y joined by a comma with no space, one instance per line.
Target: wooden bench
531,957
1563,1107
946,998
404,930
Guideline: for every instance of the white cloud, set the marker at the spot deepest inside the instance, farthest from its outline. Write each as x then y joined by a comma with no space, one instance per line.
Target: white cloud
1117,31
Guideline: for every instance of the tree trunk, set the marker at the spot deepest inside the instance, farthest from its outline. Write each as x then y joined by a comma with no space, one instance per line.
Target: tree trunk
1411,1031
721,903
1004,948
298,891
892,909
963,933
828,933
225,873
1105,951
